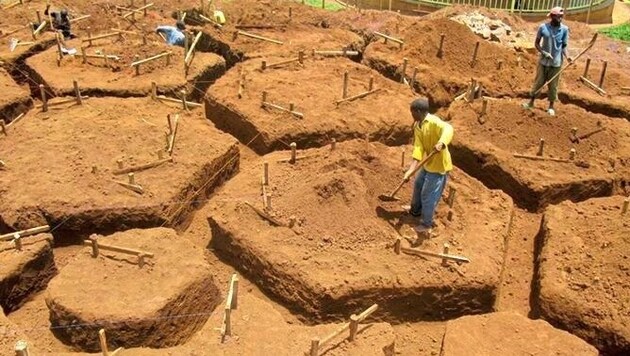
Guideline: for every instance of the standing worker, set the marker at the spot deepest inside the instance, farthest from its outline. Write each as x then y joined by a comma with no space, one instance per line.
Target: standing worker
174,36
430,134
553,49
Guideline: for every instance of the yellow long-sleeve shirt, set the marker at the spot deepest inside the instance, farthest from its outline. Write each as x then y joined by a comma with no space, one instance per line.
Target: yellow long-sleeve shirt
426,135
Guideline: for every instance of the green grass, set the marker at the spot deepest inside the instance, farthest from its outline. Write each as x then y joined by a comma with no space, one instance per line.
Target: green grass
330,4
619,32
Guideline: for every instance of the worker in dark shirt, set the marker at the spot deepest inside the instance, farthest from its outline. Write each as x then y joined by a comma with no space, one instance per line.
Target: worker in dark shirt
60,22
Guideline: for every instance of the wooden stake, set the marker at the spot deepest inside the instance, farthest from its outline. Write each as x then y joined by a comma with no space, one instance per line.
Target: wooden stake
77,92
17,240
129,251
371,84
314,347
541,147
21,348
157,56
397,245
120,163
499,64
624,207
266,173
3,127
445,252
264,99
293,152
39,16
83,55
184,102
228,321
234,289
44,100
153,90
413,77
94,244
451,196
354,327
301,57
344,92
601,77
103,342
474,57
572,153
132,178
586,67
333,143
484,107
142,167
404,70
440,52
386,37
136,58
449,215
539,158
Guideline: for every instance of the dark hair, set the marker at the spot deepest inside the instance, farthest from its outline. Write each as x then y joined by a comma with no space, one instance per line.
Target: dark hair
420,105
180,25
63,13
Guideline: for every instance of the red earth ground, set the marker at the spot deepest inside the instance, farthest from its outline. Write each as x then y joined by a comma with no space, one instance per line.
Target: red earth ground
412,338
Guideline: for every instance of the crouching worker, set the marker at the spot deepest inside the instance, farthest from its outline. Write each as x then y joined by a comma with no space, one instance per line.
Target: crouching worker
61,22
173,35
431,134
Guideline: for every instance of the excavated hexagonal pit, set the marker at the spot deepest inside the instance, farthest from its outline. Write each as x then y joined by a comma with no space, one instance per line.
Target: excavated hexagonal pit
118,77
50,156
24,271
383,115
160,304
339,254
485,146
583,271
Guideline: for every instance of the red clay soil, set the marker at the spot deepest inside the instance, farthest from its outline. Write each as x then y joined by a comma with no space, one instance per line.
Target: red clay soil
14,99
9,335
383,115
486,151
442,78
583,272
24,272
509,334
136,305
50,156
118,78
343,226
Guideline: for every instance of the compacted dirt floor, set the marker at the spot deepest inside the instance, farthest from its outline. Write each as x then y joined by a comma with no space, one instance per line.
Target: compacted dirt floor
541,240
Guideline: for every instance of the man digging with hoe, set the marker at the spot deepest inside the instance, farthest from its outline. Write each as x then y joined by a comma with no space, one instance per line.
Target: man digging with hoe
431,137
553,50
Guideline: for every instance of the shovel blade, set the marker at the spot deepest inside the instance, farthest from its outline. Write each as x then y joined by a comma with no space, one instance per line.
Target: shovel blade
387,197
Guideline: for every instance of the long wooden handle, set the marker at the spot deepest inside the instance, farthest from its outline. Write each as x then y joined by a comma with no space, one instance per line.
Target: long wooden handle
590,44
415,170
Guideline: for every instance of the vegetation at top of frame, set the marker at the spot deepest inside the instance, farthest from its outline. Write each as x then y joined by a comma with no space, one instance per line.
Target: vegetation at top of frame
330,4
619,32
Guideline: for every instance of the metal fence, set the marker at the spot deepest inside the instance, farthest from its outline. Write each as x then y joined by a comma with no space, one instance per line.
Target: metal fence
531,6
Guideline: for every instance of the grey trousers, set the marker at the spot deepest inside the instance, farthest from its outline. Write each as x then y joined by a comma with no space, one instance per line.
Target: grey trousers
543,74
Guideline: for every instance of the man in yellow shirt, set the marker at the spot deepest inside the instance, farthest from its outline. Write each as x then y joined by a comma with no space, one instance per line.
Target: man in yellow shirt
430,133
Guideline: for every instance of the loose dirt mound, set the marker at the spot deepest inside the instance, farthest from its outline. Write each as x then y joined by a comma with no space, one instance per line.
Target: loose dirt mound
487,150
50,156
383,115
342,226
24,272
133,304
118,78
509,334
10,335
441,78
583,272
14,100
